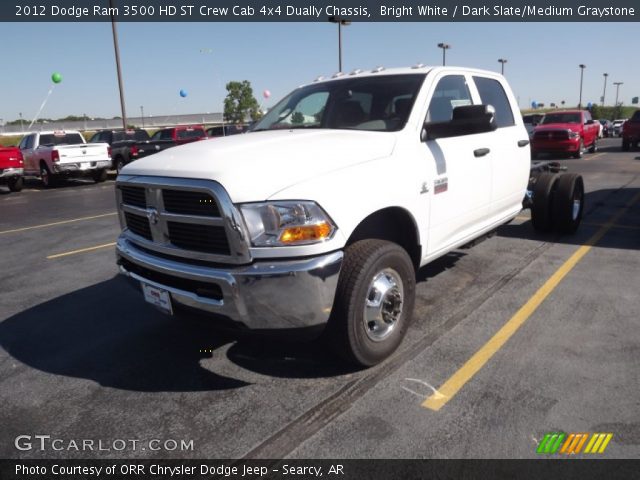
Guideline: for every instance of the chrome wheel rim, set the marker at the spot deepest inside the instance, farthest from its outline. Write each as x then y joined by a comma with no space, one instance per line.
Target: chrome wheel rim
577,205
383,304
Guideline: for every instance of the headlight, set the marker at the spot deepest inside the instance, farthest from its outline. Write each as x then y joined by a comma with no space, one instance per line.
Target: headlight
275,224
573,134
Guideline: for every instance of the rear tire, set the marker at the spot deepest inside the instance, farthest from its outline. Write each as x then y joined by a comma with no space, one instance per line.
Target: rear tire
541,210
625,146
46,177
15,184
100,175
374,302
568,203
119,164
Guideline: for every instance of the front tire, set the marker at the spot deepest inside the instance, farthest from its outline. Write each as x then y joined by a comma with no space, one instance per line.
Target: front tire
374,302
580,152
15,184
594,146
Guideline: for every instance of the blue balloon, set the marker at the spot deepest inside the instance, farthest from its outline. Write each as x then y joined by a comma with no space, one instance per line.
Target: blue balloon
534,104
183,93
589,105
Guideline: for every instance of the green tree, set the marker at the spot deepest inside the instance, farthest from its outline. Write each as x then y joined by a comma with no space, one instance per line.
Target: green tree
240,103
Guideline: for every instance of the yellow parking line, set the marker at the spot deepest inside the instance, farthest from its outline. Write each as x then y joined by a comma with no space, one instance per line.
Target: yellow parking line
448,390
591,157
81,250
62,222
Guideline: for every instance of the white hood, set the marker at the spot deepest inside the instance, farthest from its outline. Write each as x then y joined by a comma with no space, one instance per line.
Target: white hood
255,166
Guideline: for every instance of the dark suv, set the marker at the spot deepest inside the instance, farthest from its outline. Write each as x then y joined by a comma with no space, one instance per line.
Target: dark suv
124,144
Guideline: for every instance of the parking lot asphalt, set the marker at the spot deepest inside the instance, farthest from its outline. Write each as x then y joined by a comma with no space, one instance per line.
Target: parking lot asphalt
83,357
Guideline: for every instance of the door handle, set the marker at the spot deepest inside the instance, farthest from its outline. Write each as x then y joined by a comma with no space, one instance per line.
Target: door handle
523,143
480,152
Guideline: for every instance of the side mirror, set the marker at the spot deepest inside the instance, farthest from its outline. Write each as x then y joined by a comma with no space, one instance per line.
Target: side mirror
467,120
589,122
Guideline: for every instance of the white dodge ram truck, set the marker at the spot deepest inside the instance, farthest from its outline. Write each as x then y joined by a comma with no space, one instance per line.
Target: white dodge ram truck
318,219
56,154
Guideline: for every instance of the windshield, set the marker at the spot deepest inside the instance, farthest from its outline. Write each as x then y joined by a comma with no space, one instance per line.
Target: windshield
378,103
61,139
561,118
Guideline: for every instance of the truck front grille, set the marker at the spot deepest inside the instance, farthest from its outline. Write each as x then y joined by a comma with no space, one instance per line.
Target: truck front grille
134,196
552,135
138,225
200,238
190,203
192,219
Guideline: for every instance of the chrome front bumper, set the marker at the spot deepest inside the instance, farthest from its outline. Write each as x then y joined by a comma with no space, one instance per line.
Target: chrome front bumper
265,295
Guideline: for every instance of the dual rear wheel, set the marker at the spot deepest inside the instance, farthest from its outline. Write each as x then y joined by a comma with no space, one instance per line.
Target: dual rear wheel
558,202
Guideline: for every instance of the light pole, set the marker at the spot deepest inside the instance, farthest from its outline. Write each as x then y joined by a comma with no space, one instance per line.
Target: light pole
604,90
582,67
617,84
502,61
21,124
119,70
340,21
444,47
142,114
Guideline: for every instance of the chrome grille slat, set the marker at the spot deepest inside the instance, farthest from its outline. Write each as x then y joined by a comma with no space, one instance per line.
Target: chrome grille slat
134,196
190,203
138,225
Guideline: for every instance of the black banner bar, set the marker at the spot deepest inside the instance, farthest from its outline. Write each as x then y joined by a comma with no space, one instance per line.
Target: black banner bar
574,468
319,11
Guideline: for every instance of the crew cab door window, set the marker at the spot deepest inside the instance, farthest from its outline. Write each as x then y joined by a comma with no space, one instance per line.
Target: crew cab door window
492,93
452,91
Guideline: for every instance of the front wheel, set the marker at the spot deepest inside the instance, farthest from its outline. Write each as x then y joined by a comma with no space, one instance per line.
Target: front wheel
580,152
594,146
374,302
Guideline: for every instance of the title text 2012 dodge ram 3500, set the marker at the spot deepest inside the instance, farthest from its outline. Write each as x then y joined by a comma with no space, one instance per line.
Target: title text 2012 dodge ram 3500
320,216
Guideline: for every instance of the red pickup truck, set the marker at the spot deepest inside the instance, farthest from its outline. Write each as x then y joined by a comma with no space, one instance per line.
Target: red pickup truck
567,131
11,168
631,131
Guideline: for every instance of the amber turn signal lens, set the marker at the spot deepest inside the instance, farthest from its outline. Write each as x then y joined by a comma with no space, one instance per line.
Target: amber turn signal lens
306,233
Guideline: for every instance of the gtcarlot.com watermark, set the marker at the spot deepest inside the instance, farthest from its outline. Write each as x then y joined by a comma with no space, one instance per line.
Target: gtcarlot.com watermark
42,443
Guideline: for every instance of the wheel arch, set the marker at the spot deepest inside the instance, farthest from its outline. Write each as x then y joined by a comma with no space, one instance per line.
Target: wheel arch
394,224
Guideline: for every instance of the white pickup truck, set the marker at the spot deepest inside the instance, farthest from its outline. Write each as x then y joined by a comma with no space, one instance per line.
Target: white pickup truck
318,219
56,154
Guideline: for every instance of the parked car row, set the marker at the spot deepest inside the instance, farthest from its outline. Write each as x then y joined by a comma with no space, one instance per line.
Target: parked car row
133,144
574,131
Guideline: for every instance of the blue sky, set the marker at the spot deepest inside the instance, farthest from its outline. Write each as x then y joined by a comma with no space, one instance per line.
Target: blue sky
159,59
